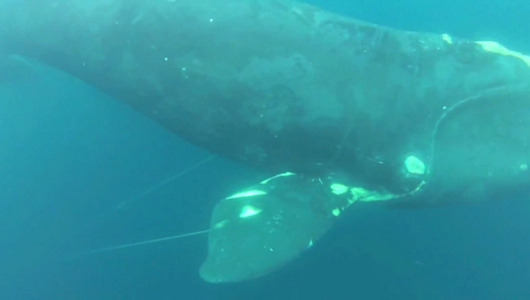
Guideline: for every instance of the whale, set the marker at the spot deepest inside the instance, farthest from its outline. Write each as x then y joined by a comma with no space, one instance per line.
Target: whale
335,111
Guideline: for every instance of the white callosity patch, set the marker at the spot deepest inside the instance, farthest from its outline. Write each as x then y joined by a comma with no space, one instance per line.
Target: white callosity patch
495,47
339,189
414,165
336,212
447,38
364,195
357,194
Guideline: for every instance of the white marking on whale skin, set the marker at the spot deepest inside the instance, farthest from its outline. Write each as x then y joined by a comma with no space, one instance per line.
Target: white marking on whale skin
414,165
336,212
249,211
286,174
246,194
447,38
494,47
339,189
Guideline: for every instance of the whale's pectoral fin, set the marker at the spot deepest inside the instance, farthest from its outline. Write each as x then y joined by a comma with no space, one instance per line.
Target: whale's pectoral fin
262,228
265,226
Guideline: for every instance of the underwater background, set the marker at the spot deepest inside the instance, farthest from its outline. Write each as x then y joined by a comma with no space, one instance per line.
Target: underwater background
81,171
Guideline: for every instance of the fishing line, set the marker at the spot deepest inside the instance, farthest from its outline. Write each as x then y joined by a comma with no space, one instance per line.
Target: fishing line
147,242
165,182
104,216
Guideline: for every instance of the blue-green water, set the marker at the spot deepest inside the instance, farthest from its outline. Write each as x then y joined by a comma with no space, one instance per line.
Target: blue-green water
72,161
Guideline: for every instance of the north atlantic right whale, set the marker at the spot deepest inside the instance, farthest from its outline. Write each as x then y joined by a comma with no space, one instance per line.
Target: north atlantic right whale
338,111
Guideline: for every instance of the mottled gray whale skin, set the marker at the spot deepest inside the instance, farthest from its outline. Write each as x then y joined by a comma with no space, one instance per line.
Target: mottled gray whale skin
282,85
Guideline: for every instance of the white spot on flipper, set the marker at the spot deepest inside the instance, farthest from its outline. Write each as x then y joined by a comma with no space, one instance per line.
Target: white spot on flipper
246,194
220,224
249,211
336,212
339,189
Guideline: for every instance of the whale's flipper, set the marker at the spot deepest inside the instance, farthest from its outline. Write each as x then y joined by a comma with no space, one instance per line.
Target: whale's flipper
261,228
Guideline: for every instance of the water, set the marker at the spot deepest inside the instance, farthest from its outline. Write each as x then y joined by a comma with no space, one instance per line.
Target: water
73,160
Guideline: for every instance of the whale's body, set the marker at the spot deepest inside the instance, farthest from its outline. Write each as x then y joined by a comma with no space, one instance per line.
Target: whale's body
284,86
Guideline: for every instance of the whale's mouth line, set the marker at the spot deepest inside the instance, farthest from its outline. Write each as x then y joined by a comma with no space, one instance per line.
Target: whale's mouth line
448,110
